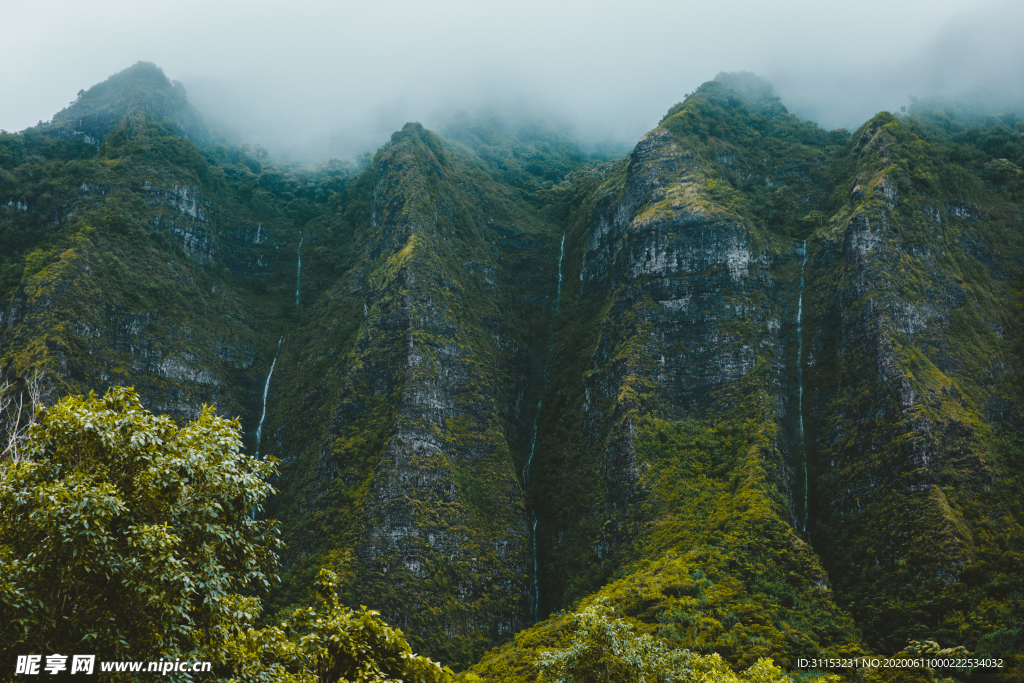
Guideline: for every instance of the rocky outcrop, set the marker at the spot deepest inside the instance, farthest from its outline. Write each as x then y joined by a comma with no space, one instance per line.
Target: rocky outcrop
436,372
902,368
492,397
692,307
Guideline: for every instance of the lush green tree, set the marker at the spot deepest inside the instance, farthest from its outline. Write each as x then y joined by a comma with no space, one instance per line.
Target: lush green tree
324,644
605,648
125,536
119,531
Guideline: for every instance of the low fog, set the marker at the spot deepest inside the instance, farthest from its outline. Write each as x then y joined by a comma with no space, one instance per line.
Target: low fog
328,78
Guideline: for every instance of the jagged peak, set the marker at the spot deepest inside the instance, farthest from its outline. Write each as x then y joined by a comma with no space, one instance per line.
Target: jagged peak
756,92
413,133
141,88
868,132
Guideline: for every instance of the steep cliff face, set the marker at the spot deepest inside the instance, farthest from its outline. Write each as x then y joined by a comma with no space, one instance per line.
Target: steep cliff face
393,373
139,260
911,371
417,469
887,330
665,432
681,302
503,381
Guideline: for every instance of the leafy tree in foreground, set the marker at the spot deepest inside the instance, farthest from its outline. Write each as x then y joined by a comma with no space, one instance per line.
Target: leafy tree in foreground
119,531
331,644
123,536
606,649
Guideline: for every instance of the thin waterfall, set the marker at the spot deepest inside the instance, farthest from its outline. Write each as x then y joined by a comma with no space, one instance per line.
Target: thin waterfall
533,445
266,388
800,379
561,255
526,478
298,272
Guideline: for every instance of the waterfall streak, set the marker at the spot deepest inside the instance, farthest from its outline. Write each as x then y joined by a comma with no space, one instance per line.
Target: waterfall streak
526,478
800,380
533,444
561,255
298,272
266,388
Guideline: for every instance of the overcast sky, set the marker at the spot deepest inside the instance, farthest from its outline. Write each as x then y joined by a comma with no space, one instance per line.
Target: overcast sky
335,77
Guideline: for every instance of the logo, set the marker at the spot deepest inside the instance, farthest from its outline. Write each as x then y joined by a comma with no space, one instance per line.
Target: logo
55,664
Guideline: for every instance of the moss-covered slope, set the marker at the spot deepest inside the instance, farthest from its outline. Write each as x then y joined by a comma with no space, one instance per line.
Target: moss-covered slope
678,302
139,259
667,424
915,409
690,327
506,382
411,482
718,569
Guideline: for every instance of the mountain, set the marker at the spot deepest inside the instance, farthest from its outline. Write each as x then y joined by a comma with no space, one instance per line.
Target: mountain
912,384
755,383
141,91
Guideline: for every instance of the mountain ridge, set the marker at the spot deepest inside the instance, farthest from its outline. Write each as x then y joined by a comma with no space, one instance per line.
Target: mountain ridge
507,379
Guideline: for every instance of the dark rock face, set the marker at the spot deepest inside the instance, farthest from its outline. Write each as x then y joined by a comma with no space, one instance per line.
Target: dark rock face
483,393
437,372
903,367
136,295
184,212
128,261
694,307
699,274
695,280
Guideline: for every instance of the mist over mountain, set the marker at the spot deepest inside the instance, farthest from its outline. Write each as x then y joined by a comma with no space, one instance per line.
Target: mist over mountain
334,79
969,60
744,391
506,373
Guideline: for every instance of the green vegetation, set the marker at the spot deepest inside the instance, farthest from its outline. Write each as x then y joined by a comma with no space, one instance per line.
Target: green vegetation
711,489
440,268
604,648
323,645
622,352
146,260
759,162
127,537
120,531
715,570
439,338
925,244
